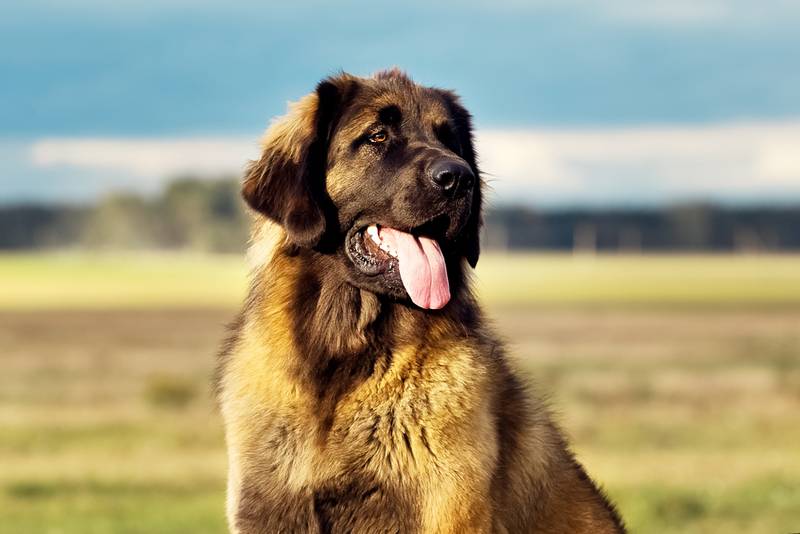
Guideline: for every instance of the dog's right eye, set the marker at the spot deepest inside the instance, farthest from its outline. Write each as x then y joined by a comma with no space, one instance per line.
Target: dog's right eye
377,138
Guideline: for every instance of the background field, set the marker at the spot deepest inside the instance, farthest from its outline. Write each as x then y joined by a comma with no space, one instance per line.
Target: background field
678,378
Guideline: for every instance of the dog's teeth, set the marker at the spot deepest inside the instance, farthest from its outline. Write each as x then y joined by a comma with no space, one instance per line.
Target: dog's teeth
372,232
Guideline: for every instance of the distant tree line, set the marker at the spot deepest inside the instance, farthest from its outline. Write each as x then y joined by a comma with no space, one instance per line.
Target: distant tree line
690,227
205,215
208,215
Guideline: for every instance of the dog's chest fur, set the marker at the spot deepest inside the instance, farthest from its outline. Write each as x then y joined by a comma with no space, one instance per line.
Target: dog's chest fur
345,416
391,437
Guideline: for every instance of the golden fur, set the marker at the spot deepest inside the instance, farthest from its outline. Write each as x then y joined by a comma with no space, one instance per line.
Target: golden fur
346,411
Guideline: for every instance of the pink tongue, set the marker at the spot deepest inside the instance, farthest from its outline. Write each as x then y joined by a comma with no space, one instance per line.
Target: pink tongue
422,268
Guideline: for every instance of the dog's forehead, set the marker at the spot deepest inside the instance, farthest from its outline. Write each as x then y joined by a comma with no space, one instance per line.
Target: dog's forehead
416,105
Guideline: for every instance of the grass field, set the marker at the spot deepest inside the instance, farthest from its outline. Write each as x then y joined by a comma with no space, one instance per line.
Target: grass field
677,377
175,281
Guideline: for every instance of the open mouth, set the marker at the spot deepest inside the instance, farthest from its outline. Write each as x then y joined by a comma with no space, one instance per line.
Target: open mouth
417,259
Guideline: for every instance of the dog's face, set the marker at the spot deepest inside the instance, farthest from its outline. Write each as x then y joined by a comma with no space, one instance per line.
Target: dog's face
381,174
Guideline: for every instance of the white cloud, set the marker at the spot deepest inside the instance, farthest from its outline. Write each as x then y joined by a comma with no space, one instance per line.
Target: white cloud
734,162
147,157
726,162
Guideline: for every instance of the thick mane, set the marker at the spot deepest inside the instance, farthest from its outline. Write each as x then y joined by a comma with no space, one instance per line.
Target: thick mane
349,404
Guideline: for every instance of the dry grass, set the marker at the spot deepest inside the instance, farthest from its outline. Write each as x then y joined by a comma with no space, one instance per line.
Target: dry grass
688,417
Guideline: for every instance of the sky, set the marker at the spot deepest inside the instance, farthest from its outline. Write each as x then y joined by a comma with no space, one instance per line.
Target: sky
576,102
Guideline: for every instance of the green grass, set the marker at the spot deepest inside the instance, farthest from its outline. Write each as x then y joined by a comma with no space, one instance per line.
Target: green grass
669,509
173,280
558,279
114,281
92,507
677,379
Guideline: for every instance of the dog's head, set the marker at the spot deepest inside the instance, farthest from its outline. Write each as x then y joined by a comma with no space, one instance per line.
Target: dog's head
379,173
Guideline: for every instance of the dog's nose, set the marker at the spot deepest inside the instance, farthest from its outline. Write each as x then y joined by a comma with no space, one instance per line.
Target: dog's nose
452,177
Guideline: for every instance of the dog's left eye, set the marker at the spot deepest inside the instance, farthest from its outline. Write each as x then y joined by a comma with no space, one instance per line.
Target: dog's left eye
377,138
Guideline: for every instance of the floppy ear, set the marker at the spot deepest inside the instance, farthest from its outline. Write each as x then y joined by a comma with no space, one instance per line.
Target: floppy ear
462,120
287,183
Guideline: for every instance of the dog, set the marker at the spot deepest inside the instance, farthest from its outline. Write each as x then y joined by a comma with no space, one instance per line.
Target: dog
361,388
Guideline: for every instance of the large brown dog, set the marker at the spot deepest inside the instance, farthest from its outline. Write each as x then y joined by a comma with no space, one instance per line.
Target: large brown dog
361,389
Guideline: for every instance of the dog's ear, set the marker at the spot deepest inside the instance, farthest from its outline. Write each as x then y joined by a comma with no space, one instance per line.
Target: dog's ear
462,121
287,183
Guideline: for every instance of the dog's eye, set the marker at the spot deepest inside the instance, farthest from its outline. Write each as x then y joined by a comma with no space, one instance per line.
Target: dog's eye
377,138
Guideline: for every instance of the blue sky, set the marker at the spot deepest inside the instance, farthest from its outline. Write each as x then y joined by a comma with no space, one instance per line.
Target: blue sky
180,69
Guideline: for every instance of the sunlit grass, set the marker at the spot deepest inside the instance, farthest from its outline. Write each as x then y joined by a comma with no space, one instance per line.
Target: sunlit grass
639,279
676,377
176,280
119,507
114,281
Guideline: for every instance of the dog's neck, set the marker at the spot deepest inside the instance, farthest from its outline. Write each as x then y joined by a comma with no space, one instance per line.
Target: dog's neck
331,316
333,327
